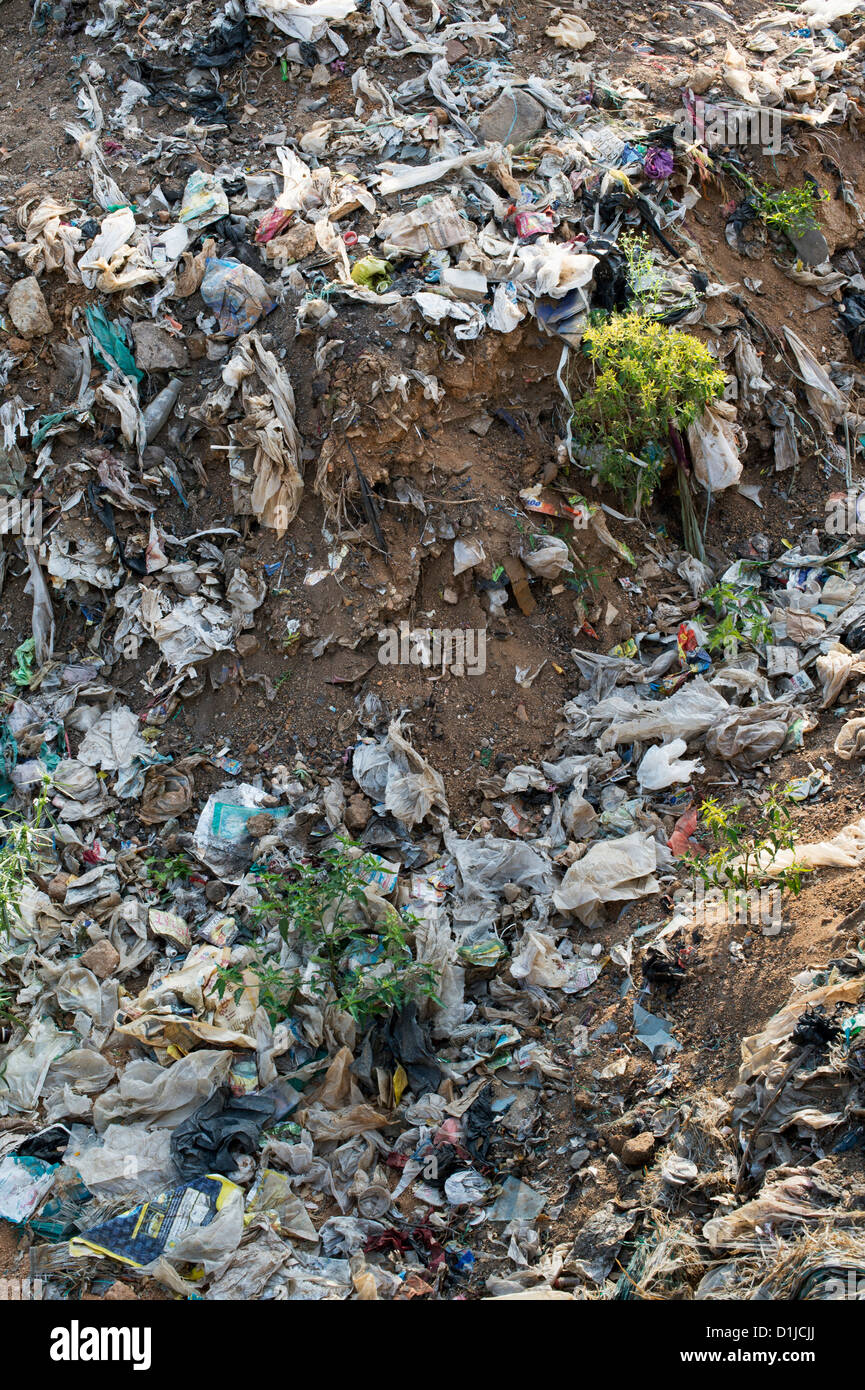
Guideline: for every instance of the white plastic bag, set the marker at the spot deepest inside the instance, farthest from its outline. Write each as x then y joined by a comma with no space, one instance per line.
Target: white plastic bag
663,765
714,448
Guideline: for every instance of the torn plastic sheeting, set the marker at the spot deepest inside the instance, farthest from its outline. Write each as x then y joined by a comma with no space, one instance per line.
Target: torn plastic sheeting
506,312
25,1065
204,201
846,850
272,1196
109,343
191,632
540,964
714,448
307,20
551,271
165,794
469,319
222,1129
467,554
114,234
114,741
23,1184
835,669
236,294
220,838
594,1251
403,177
393,772
549,559
486,865
687,713
517,1201
162,1096
268,424
126,1160
824,398
750,736
121,394
43,614
760,1051
783,1201
654,1033
571,31
84,1069
168,1034
850,741
610,871
435,226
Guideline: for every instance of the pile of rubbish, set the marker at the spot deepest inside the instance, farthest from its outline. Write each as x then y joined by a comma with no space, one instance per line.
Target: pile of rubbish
305,1028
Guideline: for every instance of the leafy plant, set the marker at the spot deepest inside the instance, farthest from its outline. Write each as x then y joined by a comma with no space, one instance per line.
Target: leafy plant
167,869
367,971
8,1012
790,210
23,843
741,858
643,278
585,578
742,619
648,380
277,989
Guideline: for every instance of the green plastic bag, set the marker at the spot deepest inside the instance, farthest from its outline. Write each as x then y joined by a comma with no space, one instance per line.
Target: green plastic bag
109,344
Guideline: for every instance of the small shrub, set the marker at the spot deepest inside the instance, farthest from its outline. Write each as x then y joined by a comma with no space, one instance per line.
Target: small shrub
789,210
367,971
648,378
741,859
23,843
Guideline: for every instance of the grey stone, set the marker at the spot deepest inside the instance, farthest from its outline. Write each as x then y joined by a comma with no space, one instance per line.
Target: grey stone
156,350
811,247
27,308
511,119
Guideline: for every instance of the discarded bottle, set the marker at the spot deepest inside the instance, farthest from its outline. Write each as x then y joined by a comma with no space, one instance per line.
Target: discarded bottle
157,412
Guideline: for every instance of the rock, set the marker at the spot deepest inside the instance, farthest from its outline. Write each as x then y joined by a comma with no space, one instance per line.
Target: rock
465,284
293,245
156,350
811,247
57,888
196,345
702,79
806,90
260,825
511,119
246,644
27,308
119,1291
320,76
214,891
358,812
102,958
639,1150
